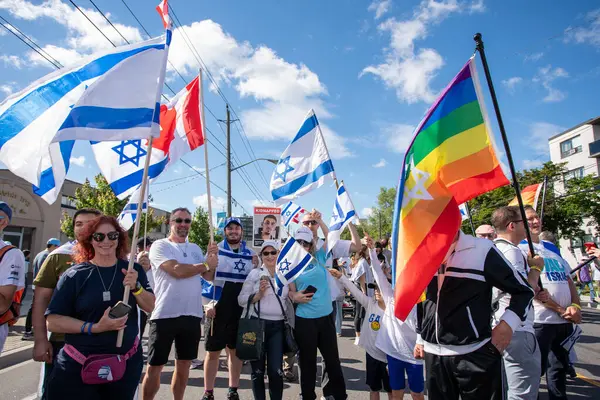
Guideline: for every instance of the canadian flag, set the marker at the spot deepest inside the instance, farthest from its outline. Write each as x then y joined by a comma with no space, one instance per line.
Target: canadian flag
163,11
181,131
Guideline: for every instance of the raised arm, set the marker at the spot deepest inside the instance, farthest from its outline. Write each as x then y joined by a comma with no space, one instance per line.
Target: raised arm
384,286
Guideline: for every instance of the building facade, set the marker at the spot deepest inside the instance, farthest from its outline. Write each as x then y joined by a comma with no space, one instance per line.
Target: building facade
579,148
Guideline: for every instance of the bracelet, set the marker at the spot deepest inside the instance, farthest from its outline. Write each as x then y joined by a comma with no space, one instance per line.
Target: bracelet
83,327
139,291
89,331
577,306
538,269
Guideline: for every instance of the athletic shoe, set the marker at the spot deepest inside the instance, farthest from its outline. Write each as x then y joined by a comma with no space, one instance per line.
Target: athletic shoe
27,336
571,372
197,364
208,396
233,396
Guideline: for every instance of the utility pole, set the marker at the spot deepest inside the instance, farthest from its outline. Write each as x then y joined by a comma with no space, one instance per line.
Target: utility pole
228,122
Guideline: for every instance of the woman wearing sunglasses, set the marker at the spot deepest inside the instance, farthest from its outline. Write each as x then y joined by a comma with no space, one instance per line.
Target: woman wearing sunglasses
259,287
80,308
315,325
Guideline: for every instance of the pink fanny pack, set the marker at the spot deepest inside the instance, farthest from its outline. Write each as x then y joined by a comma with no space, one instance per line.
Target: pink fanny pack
101,368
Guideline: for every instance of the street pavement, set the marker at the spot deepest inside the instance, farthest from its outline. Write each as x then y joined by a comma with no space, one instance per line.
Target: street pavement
19,382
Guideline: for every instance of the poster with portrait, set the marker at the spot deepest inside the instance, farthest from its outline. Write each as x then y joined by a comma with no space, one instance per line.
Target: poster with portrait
267,224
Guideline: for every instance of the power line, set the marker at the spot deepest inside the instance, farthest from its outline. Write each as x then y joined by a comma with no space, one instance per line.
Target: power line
91,22
30,46
110,23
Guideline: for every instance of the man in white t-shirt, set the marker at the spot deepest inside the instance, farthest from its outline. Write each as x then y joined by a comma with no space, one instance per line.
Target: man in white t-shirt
178,267
522,362
12,273
554,319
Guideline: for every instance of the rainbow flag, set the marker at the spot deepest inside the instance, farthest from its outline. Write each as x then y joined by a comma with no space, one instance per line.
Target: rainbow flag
450,161
530,195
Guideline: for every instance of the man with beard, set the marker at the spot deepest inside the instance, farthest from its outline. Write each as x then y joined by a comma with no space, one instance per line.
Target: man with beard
235,263
57,262
178,267
269,228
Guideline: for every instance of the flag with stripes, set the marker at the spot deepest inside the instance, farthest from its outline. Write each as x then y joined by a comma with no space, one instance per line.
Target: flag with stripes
464,214
163,11
343,214
292,261
290,212
129,214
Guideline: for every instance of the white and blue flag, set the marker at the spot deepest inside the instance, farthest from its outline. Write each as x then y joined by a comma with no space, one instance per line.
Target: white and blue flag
129,214
343,214
111,95
292,261
304,165
289,213
464,213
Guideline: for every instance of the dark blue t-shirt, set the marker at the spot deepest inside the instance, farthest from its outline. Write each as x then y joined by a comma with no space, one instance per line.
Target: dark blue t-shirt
79,295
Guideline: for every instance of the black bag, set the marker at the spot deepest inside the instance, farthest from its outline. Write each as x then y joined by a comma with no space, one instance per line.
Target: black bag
250,336
289,342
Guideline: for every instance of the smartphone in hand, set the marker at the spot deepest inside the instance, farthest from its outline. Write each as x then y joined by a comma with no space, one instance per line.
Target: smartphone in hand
119,310
310,290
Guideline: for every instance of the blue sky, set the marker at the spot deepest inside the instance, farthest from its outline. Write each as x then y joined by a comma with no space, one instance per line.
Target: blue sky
369,69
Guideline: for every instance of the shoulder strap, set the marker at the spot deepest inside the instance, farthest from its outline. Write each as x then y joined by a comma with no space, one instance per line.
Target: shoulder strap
133,350
75,354
279,301
4,250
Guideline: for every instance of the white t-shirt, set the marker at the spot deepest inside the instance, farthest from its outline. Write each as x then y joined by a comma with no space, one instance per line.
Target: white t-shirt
269,306
363,268
516,257
175,297
12,272
555,278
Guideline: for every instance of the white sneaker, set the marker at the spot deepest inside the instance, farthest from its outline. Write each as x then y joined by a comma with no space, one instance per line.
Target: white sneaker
356,341
197,364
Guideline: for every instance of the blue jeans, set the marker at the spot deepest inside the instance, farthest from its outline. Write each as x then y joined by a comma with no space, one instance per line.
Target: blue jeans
273,356
339,315
590,285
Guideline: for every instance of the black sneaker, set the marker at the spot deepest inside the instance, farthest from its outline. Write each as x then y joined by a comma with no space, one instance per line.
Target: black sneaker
27,336
208,396
233,396
571,372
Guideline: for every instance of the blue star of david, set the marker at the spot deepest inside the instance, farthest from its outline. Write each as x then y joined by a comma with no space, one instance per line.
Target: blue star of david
73,105
284,266
287,169
239,266
124,158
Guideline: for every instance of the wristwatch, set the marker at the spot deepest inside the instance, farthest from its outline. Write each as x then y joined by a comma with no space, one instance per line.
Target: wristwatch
138,288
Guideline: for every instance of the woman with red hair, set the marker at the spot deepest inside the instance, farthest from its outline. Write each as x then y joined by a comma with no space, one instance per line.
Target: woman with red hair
80,309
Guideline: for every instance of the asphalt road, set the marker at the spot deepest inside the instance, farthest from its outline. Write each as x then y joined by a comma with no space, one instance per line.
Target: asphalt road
20,381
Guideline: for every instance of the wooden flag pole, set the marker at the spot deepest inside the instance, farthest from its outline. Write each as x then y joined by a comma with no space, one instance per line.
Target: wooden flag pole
136,229
543,199
470,217
207,169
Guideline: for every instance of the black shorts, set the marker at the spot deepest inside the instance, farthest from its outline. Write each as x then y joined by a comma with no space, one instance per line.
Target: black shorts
184,330
227,318
377,375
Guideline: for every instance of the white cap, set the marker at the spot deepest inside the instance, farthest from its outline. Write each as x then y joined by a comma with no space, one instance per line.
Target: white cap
303,233
270,243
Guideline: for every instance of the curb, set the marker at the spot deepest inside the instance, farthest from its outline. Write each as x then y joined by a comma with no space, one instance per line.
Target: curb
16,356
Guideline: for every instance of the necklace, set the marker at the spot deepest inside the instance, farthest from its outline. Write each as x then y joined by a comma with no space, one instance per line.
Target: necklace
106,293
184,251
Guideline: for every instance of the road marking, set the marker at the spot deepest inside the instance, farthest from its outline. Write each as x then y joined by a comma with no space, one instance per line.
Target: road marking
7,369
30,397
589,380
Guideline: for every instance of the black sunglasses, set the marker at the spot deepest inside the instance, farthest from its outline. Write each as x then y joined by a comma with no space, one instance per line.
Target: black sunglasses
304,243
99,236
269,253
306,223
180,220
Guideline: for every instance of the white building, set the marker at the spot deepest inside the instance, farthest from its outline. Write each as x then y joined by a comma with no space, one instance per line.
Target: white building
579,147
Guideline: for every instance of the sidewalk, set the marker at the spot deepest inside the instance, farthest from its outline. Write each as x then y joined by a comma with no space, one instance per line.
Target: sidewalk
17,350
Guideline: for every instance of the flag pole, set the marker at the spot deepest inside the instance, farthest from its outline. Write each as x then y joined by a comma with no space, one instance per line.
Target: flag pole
207,169
136,229
480,48
543,199
326,149
470,217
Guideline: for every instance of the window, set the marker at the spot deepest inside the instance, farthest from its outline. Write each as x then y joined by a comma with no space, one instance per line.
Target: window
574,173
68,202
570,147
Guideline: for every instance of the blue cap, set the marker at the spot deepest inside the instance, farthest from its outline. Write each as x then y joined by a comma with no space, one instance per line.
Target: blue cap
6,209
233,220
53,241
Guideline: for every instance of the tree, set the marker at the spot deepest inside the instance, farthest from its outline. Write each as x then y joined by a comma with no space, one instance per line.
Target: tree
199,231
382,214
101,197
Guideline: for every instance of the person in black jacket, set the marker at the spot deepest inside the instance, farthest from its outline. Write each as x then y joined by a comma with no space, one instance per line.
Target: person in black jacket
463,355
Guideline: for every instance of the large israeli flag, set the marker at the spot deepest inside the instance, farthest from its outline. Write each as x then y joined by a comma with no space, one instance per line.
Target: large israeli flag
343,214
111,95
304,165
291,262
129,214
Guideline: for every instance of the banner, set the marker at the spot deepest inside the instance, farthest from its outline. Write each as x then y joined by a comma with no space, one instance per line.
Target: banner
221,217
267,224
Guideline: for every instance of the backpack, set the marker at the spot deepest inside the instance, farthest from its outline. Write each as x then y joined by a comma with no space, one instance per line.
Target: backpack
11,316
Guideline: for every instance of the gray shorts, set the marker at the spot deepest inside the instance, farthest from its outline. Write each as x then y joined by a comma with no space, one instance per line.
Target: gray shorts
522,366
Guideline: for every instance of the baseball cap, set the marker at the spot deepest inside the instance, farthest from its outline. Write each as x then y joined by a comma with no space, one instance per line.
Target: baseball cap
270,243
6,209
53,242
233,220
303,233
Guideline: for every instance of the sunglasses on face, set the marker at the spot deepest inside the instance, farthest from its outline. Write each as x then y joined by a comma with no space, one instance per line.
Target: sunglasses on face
99,236
269,253
304,243
307,223
181,220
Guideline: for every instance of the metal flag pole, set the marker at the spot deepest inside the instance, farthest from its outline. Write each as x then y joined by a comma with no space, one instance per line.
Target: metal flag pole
136,230
543,199
470,217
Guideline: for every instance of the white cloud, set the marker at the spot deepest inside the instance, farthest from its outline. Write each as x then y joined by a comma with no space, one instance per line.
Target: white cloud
477,6
397,137
366,212
511,83
407,70
546,76
530,164
8,88
382,163
79,161
588,34
534,57
13,61
380,7
217,203
539,133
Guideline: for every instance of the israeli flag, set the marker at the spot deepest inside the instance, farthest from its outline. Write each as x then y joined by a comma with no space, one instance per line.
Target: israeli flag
289,212
111,95
304,165
129,214
464,213
343,214
291,262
